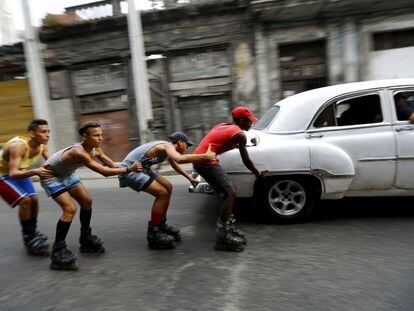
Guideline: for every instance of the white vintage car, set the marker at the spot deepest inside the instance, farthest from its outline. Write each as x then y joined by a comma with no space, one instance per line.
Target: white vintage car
328,143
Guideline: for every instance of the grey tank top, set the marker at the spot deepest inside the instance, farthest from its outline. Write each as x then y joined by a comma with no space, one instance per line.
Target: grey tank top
63,169
138,154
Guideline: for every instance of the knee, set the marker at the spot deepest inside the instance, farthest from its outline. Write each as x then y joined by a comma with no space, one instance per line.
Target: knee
169,188
25,202
69,211
163,195
34,201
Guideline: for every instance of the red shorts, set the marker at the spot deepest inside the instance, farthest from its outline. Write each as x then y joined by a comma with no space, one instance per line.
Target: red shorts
13,190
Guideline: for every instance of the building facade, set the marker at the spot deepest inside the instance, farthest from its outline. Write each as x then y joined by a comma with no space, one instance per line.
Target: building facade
218,55
305,44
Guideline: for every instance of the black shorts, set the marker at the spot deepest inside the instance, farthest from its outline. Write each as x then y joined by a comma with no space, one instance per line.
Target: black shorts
216,176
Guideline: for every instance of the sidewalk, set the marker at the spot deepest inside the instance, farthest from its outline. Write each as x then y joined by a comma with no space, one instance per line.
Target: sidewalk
166,169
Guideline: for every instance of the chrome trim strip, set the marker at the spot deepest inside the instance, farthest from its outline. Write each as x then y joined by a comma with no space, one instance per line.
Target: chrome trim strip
348,127
315,172
405,157
377,159
270,173
325,173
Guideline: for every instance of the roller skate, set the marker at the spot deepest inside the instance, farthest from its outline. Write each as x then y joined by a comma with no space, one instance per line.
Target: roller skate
170,230
36,244
159,240
236,231
62,258
225,238
90,243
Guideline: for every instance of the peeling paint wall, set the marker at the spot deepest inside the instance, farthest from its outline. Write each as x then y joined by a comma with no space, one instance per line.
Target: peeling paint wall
246,82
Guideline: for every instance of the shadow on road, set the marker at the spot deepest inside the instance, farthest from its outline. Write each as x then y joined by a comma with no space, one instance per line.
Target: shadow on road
349,208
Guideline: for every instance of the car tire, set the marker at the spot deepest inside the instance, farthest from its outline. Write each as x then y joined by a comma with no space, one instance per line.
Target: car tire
287,199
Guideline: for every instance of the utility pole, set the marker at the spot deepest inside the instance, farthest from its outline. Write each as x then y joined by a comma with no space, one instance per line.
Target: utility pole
37,76
139,68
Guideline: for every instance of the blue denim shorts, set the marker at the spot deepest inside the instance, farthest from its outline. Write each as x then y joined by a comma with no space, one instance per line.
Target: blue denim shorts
57,185
137,181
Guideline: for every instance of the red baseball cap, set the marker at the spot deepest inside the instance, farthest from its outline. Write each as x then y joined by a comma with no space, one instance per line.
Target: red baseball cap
243,112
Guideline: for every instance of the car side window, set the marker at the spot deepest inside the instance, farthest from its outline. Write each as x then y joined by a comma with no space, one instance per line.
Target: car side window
404,104
326,117
359,110
353,111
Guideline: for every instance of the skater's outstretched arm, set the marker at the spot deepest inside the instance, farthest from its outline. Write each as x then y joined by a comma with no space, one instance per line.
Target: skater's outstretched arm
189,158
87,160
16,152
241,140
180,171
104,158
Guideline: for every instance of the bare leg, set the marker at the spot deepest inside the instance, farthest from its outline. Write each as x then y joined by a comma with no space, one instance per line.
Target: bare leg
161,202
81,195
168,186
25,206
170,230
226,209
155,237
34,210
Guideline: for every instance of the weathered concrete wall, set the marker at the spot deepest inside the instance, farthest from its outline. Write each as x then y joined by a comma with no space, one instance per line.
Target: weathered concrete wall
159,98
188,31
387,63
221,28
390,64
83,43
245,70
66,124
250,34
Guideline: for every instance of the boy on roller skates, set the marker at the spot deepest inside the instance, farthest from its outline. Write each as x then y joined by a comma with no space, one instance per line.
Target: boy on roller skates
18,160
159,234
223,137
66,186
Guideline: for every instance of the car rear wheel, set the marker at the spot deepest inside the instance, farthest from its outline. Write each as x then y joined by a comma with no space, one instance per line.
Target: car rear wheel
287,199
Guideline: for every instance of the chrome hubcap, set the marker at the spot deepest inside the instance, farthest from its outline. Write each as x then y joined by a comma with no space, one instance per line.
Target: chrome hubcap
287,197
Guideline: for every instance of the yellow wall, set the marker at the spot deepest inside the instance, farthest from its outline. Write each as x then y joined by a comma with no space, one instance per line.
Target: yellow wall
15,109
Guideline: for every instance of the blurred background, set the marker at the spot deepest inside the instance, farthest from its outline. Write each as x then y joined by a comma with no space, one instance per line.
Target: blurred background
72,61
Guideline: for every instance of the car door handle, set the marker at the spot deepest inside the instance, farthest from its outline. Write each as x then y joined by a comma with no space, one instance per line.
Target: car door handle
404,128
316,135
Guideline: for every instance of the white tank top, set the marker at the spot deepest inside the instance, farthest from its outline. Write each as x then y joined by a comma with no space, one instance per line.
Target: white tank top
63,169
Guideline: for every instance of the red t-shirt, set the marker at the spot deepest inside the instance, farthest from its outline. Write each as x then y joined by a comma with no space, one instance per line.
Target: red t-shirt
220,139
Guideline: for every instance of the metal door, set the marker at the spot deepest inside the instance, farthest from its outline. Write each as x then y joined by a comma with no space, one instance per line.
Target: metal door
115,126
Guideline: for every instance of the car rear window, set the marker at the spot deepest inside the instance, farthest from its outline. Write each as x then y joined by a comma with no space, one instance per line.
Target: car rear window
267,118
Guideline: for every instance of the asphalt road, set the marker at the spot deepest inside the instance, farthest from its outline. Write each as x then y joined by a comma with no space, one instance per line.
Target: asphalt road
352,255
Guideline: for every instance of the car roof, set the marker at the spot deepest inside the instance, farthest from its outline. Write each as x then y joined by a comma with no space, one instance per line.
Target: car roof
297,111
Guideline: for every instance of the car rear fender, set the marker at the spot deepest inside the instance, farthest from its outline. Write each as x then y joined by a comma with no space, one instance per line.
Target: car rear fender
333,166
